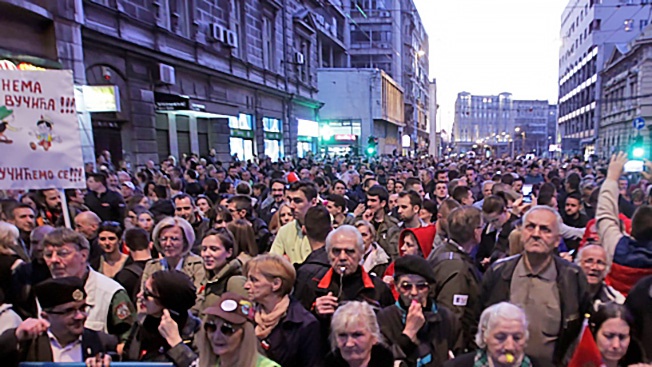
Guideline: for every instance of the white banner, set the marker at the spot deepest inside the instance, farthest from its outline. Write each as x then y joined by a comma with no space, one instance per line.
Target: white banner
40,144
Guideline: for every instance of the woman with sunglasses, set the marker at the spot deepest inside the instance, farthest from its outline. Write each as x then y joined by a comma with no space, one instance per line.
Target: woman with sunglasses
416,328
223,269
110,240
227,338
289,334
165,326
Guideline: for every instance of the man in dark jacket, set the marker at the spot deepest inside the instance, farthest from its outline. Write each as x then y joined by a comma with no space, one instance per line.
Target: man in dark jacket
241,208
270,205
418,330
552,292
107,204
639,302
346,280
184,207
317,226
60,335
457,278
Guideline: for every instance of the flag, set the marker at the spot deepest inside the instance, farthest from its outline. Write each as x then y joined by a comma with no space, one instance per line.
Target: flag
586,353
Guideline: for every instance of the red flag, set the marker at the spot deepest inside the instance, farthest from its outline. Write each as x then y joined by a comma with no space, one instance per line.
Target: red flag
587,353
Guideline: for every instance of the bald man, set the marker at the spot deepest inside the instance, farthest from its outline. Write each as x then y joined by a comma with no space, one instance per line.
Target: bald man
87,223
593,261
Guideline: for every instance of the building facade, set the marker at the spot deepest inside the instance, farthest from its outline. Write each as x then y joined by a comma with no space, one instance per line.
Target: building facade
590,30
531,120
389,35
483,122
434,148
237,76
626,95
358,104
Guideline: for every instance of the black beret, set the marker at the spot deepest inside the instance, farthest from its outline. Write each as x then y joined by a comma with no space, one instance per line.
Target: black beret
175,289
412,264
55,292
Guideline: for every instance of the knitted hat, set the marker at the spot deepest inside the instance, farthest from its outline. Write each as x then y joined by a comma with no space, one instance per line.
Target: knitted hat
175,289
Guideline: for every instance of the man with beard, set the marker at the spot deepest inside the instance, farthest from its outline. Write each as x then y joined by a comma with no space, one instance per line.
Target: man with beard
593,261
271,205
49,203
22,216
184,207
553,292
290,239
60,335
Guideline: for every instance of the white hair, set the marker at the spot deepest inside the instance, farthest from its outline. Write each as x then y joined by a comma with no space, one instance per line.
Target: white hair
346,231
186,229
544,208
352,313
493,315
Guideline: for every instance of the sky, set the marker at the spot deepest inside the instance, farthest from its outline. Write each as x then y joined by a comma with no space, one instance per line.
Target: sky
487,47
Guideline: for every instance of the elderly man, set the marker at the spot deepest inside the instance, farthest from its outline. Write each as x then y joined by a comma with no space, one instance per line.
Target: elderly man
66,254
419,331
593,261
87,224
60,336
346,280
554,293
457,278
487,187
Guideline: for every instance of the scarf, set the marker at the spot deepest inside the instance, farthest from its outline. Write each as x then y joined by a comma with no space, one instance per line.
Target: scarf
266,322
482,360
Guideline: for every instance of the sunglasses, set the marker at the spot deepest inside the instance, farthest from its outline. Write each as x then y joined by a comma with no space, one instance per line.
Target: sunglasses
226,328
148,294
406,286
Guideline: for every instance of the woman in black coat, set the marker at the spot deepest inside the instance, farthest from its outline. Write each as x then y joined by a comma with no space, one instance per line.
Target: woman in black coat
288,333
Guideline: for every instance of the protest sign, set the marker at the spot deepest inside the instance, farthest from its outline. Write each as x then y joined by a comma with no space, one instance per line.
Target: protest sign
40,144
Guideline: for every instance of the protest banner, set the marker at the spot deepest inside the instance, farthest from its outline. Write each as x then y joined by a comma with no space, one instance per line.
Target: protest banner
40,144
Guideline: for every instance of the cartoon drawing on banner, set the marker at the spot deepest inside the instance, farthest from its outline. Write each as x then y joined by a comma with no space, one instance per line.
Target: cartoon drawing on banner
43,134
6,113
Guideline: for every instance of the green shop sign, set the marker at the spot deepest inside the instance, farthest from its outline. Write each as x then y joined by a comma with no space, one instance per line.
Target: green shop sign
245,134
273,136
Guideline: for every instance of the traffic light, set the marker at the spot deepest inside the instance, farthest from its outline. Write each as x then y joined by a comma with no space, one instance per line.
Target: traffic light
637,149
372,146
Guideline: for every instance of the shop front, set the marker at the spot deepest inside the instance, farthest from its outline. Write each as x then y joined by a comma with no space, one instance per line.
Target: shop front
184,126
307,137
241,141
273,138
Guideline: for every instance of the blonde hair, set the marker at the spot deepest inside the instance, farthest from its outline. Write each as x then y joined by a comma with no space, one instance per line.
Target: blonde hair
351,313
273,266
275,221
247,351
169,222
8,238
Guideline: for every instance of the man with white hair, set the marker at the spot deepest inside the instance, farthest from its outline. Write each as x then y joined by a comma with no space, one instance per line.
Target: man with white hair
346,280
553,292
593,261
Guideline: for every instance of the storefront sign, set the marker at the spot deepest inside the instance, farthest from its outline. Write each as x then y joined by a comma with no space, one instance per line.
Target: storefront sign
245,134
273,136
101,98
345,137
40,143
171,102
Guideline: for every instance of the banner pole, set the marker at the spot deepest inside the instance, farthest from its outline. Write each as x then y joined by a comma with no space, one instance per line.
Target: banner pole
64,209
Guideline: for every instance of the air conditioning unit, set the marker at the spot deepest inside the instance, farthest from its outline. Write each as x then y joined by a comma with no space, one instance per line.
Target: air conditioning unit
166,74
385,14
217,32
231,39
299,59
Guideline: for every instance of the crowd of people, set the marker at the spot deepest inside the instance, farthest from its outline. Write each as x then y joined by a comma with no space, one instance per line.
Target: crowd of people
337,261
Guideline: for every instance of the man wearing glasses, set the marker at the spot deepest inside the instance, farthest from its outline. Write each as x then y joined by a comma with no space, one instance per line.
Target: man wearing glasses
66,255
60,335
416,327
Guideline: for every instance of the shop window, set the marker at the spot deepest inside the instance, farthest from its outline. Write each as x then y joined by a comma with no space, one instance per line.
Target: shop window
242,122
271,125
162,136
183,134
274,149
244,148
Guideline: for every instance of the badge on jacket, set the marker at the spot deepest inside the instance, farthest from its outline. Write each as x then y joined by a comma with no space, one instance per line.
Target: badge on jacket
460,299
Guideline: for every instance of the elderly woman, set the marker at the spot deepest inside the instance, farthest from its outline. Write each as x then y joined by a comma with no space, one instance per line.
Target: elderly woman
288,333
9,260
173,237
501,338
375,259
355,338
611,326
227,338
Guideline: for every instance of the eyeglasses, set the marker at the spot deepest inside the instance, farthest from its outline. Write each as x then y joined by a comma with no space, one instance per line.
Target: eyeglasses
72,311
407,286
226,329
148,294
63,253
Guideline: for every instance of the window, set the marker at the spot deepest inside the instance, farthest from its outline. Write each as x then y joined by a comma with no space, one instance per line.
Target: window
269,43
642,24
237,24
